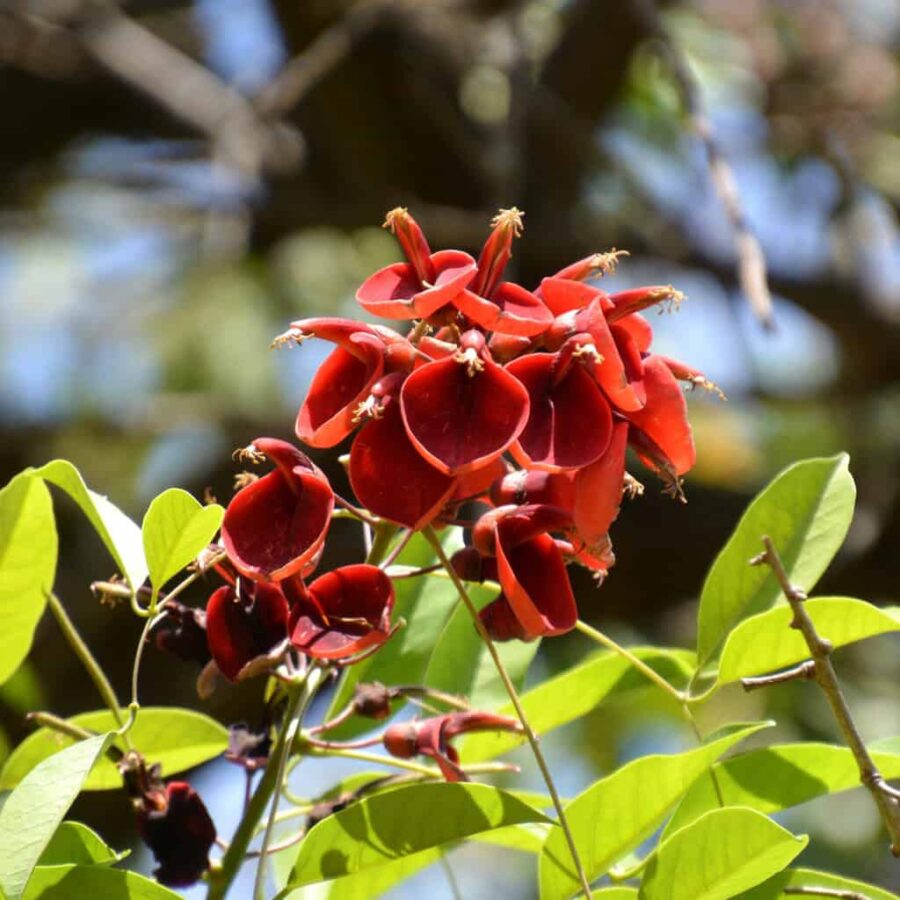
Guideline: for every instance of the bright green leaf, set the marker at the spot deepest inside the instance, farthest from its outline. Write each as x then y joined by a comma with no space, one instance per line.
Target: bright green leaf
769,779
578,691
176,738
76,844
723,853
425,603
120,535
773,889
28,549
615,893
70,882
766,642
385,827
175,529
617,812
806,511
35,808
461,664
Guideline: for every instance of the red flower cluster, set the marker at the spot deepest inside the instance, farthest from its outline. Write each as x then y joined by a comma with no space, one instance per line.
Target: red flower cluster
274,533
559,380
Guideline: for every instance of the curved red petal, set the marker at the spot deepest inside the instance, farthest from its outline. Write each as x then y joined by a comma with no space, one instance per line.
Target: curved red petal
238,629
276,525
454,270
598,488
521,313
639,329
478,481
569,422
611,373
390,291
535,582
459,422
664,418
501,622
340,384
348,612
390,477
535,487
562,295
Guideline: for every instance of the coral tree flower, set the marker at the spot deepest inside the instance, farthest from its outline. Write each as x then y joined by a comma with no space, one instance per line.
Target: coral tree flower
463,412
431,738
420,287
389,476
176,826
275,526
244,625
530,568
337,396
344,613
502,306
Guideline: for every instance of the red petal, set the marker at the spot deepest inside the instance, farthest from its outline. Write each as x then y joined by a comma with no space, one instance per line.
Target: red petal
598,488
340,384
240,629
640,330
611,373
350,613
275,526
536,487
460,422
569,422
664,418
510,310
390,477
455,270
478,481
535,582
501,622
562,295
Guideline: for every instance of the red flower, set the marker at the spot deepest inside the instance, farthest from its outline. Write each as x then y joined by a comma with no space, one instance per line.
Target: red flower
343,613
431,738
245,625
176,826
570,422
463,412
387,473
661,433
420,287
530,567
502,306
276,526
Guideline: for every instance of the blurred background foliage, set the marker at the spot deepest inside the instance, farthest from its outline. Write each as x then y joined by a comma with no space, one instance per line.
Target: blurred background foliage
181,179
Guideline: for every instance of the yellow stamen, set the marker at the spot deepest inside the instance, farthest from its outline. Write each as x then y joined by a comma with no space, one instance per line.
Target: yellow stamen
291,336
471,360
509,218
391,220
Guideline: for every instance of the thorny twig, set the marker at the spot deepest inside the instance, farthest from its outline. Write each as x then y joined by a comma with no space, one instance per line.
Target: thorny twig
751,261
885,797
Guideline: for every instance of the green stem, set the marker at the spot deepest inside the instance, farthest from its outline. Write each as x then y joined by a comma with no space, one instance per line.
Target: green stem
293,716
680,697
221,877
606,641
517,704
382,535
82,651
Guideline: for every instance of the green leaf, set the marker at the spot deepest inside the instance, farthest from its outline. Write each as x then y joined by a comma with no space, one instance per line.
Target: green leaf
68,882
120,535
28,550
766,642
773,889
769,779
426,604
35,808
176,738
76,844
372,882
384,827
461,664
723,853
577,692
175,529
615,893
616,813
806,511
